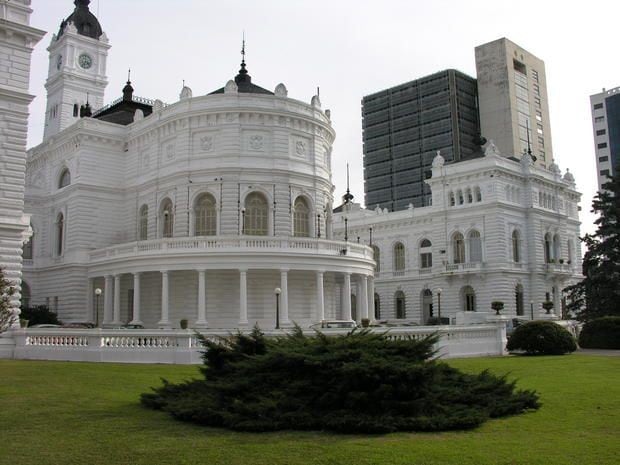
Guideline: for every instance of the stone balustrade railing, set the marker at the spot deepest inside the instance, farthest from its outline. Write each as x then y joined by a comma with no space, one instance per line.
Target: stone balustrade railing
231,244
183,346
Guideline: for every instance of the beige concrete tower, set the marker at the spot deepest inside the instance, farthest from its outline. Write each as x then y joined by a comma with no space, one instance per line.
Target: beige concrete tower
512,89
17,39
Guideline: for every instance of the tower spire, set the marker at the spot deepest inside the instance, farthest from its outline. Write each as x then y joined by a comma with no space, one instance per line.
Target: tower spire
348,196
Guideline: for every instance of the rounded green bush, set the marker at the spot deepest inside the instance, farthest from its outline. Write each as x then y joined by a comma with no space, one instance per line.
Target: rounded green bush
601,333
541,338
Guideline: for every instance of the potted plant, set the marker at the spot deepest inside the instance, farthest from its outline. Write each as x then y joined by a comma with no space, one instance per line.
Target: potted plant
365,322
183,323
498,306
561,261
23,323
547,305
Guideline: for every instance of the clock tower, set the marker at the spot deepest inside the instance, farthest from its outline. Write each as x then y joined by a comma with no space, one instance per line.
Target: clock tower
77,69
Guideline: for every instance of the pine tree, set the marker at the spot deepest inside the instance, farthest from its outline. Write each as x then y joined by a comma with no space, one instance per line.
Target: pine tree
6,312
598,294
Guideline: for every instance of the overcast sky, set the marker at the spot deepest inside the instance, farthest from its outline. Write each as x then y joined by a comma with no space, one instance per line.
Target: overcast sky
350,49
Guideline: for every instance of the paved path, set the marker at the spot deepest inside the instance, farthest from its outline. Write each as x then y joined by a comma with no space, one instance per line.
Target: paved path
609,353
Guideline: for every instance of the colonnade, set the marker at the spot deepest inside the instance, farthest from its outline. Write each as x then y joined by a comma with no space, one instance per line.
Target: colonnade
112,298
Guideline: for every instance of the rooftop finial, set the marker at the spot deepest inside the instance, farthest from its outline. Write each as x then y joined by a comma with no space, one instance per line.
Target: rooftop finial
129,76
128,90
243,49
348,196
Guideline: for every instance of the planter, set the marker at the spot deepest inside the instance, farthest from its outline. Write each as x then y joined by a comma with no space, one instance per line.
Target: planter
23,323
498,306
548,305
365,322
183,324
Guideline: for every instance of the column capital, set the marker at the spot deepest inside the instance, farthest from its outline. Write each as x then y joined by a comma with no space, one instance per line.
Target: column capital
243,270
284,270
201,270
137,273
164,271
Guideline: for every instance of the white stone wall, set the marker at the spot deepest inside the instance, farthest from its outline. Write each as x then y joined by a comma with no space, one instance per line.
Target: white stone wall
17,40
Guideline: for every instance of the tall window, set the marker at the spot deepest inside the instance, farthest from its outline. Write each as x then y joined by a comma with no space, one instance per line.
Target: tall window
548,248
475,247
516,247
256,215
469,299
459,196
143,225
377,306
399,302
301,218
205,216
477,194
167,218
426,254
60,229
458,248
399,257
27,255
452,202
557,252
469,196
377,256
519,300
65,178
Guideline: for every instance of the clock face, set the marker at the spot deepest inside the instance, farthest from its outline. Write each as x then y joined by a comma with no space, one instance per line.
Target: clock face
85,61
59,62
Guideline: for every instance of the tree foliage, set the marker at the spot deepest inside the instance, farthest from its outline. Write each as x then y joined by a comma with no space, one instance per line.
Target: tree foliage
39,314
598,294
541,338
601,333
6,312
361,382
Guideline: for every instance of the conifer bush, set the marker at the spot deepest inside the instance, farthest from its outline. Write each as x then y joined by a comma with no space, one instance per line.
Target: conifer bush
601,333
541,338
362,382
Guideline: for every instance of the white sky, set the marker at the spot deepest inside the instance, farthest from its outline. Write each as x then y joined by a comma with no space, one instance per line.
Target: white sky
350,49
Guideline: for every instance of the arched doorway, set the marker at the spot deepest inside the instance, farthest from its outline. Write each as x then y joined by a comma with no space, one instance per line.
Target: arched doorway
427,305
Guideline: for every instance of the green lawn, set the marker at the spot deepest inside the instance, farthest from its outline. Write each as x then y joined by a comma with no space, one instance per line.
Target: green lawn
81,413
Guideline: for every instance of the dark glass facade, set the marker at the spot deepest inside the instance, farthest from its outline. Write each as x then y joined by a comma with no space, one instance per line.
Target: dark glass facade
404,126
612,107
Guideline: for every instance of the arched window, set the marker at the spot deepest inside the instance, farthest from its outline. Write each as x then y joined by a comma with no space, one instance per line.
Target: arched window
143,224
377,256
516,247
452,202
377,306
570,248
25,292
548,248
469,196
166,218
519,300
301,218
557,250
477,194
399,257
255,221
475,247
459,196
458,248
426,254
76,110
205,216
469,299
60,229
399,304
65,178
28,249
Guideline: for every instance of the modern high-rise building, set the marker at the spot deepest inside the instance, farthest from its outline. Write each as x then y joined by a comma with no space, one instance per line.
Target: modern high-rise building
606,127
405,126
512,89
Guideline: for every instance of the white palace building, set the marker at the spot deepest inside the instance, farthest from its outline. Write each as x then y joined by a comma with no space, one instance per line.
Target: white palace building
212,208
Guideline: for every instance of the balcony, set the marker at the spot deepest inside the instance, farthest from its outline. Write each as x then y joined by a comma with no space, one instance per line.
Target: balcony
558,268
460,268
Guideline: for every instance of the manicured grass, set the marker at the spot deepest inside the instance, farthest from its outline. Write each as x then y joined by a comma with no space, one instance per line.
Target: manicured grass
81,413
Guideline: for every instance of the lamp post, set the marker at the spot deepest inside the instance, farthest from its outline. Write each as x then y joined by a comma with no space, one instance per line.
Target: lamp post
277,291
439,290
370,236
97,295
318,224
532,309
346,229
243,221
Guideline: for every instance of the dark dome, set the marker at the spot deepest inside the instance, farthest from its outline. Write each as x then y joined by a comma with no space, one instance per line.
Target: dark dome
85,22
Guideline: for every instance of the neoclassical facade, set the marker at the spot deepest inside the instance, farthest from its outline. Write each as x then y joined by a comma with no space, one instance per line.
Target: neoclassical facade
499,229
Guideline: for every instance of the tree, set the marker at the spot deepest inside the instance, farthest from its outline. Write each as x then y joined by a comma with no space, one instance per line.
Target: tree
598,294
7,317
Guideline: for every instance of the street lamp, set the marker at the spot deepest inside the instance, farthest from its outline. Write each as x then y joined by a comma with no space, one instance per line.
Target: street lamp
439,290
346,229
532,309
318,224
97,295
370,236
243,221
277,291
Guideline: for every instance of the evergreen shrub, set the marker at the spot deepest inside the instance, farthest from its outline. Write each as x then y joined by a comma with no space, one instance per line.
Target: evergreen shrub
362,382
38,315
541,338
601,333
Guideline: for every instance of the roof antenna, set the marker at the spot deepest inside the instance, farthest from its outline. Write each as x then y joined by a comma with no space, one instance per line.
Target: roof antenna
348,196
529,147
129,76
243,50
318,91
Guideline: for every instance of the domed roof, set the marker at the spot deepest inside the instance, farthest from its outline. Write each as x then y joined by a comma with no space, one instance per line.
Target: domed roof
84,21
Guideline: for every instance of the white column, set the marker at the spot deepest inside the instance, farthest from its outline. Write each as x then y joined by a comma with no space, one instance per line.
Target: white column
371,298
243,297
165,303
136,300
363,296
320,297
201,322
346,289
117,300
107,301
284,320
